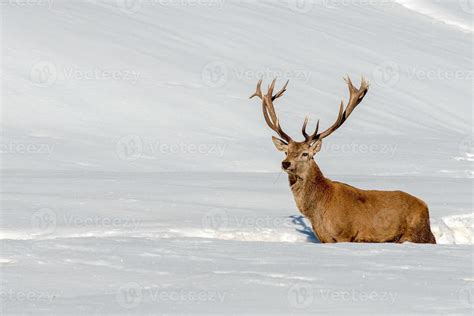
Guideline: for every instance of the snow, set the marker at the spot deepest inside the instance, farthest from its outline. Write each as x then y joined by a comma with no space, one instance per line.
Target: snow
137,177
459,16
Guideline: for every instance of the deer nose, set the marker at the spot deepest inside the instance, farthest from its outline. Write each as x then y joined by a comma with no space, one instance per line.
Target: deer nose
285,164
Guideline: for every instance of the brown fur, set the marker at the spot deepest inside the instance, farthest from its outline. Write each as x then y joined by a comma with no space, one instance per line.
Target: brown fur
341,213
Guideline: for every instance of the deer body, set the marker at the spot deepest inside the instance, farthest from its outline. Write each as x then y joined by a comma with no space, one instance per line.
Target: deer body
339,212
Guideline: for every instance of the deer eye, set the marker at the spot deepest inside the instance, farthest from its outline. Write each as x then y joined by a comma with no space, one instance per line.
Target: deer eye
286,153
305,155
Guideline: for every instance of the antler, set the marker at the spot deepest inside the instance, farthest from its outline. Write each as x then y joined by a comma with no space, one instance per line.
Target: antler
268,109
356,96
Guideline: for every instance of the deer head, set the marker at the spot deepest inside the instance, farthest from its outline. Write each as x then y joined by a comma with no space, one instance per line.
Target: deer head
299,155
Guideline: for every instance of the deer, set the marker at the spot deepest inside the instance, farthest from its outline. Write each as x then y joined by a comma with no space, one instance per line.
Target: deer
339,212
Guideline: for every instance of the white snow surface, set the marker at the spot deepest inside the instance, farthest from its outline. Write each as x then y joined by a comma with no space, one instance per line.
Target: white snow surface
137,177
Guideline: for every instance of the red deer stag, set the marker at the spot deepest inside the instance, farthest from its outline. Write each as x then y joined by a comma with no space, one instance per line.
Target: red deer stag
339,212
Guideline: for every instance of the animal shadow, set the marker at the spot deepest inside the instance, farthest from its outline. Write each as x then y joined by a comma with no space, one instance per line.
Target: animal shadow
303,228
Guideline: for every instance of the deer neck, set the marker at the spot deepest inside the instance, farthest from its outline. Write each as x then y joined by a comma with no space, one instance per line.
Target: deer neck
310,191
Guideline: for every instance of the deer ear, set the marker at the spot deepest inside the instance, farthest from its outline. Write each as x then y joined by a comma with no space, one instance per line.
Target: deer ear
279,144
315,147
